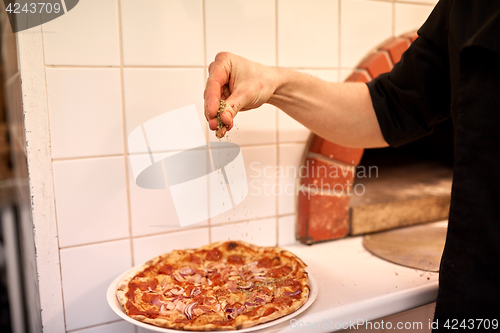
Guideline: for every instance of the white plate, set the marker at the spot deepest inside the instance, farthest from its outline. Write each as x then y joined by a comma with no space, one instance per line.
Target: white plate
117,308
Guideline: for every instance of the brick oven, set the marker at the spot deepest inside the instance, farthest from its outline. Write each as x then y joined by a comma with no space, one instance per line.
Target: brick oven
350,191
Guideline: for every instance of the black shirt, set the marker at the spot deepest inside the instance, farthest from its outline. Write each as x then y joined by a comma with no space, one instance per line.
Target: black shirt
453,69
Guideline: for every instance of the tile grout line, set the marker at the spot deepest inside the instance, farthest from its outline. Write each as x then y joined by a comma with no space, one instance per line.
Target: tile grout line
175,231
179,230
268,217
207,133
128,66
124,131
285,215
94,243
65,159
53,183
136,237
76,330
176,67
416,3
277,111
339,37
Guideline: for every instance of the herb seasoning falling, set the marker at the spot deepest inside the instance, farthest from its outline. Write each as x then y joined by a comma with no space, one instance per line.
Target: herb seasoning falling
220,124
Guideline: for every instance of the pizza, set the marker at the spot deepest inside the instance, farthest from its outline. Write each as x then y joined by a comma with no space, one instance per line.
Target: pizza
222,286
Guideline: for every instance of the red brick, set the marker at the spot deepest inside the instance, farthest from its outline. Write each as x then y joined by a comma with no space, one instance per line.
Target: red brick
376,64
322,218
336,152
326,175
395,48
411,36
339,153
328,217
358,76
302,217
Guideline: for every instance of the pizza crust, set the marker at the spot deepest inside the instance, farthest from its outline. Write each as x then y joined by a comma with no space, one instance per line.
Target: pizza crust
206,321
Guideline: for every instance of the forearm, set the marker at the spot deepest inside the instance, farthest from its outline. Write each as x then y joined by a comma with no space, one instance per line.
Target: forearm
339,112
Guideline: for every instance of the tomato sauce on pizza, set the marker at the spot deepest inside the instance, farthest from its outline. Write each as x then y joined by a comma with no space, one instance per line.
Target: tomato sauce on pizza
221,286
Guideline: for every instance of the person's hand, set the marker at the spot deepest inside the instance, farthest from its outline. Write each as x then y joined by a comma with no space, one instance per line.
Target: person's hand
243,84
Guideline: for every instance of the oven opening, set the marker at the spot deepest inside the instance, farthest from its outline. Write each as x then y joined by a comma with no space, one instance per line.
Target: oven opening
404,186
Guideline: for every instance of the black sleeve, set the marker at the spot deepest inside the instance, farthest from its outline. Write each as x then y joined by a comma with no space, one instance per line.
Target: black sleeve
415,95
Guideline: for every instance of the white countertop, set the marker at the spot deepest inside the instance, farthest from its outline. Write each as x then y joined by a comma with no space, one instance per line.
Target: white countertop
355,285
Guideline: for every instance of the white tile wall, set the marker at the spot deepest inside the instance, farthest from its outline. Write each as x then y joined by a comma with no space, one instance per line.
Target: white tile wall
86,35
247,28
117,327
150,92
290,156
86,273
149,247
290,130
253,128
299,42
91,200
427,2
260,165
286,230
85,112
259,232
344,74
363,26
166,46
409,17
151,211
151,32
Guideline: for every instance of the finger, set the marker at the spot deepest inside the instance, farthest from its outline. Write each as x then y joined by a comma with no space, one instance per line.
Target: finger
225,92
234,104
218,77
220,132
212,124
227,116
212,98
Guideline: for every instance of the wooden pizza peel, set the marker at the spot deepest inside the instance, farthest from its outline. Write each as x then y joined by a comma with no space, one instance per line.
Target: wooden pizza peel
419,246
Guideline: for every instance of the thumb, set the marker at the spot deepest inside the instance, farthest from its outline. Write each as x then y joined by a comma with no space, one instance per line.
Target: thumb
234,103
